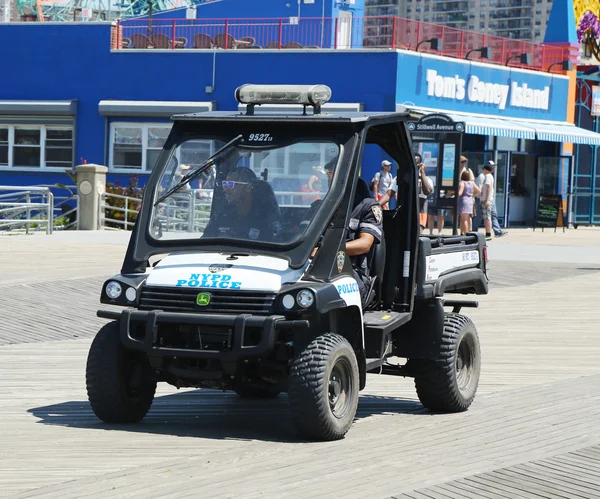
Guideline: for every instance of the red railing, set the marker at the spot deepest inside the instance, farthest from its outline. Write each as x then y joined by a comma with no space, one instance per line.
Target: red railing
329,33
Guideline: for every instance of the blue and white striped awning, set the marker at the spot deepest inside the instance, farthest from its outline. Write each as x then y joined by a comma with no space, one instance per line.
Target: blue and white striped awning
481,125
551,131
565,132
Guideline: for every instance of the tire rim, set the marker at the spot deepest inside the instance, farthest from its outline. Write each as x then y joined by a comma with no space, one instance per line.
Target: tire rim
465,358
341,388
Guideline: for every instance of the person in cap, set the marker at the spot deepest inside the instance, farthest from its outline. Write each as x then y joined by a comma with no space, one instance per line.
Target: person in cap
425,187
382,182
479,181
487,197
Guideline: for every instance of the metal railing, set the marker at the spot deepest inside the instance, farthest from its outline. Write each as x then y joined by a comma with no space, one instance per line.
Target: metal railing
326,33
129,211
66,206
187,211
26,208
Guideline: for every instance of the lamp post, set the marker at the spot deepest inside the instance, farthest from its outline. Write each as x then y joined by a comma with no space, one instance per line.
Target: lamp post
524,59
434,43
484,53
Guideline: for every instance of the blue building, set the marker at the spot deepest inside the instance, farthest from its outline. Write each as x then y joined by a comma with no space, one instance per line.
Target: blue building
75,95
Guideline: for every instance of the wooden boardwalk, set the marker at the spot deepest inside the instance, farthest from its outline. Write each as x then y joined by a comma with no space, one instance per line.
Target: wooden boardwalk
533,431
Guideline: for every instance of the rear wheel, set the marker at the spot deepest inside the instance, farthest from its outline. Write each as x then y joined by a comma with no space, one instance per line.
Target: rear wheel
323,388
449,383
120,383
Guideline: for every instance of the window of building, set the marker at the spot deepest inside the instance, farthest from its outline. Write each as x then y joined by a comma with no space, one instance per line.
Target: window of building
4,146
136,146
482,25
36,146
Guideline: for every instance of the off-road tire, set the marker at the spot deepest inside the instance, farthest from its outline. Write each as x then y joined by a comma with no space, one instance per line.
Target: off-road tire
327,364
120,383
441,385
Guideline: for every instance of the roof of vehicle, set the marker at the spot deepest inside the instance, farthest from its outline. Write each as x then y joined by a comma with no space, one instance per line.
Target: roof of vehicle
348,117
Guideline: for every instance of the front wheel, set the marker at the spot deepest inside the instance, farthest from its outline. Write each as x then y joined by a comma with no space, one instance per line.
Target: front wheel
323,388
120,383
449,383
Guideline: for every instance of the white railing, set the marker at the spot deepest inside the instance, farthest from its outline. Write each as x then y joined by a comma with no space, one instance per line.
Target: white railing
63,210
126,222
185,211
26,208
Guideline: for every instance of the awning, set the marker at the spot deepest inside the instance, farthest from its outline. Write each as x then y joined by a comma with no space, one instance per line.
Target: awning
481,125
565,132
551,131
38,107
151,109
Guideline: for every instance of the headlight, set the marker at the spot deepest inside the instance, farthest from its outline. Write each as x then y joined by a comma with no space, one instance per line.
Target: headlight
130,294
305,298
288,302
113,290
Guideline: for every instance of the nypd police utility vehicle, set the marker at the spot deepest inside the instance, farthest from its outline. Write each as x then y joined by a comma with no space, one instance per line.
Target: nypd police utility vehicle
237,275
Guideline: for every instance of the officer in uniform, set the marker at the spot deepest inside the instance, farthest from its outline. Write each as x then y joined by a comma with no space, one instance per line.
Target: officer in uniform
364,231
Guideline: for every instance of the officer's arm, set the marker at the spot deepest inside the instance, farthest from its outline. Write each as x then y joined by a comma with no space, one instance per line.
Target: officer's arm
361,245
386,197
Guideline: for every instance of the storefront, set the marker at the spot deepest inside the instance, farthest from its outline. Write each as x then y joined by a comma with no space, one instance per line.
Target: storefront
514,117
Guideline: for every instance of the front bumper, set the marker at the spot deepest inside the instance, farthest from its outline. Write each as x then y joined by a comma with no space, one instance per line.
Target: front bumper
147,341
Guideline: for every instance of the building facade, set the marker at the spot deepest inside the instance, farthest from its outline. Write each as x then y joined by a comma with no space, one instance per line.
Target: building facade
113,107
516,19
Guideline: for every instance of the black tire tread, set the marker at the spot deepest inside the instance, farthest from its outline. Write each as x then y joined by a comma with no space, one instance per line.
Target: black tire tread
104,385
307,376
434,381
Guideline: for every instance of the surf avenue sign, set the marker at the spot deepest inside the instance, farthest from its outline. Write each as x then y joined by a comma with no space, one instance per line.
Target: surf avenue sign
514,95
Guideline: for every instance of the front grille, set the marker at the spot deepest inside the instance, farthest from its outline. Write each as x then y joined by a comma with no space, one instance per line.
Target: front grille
221,301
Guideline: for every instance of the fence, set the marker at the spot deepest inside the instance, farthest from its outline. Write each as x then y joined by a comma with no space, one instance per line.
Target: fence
187,211
327,33
123,217
26,208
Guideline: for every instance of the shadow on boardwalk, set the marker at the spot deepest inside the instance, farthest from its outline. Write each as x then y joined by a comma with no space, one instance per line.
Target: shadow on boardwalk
214,415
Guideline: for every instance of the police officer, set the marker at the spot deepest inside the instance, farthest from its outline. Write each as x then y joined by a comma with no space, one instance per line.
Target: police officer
251,211
364,231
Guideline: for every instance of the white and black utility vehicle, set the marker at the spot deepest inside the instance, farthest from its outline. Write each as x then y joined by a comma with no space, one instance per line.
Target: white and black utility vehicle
237,275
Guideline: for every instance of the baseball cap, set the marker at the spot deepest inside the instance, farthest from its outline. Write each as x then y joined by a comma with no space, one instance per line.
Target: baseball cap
490,165
385,162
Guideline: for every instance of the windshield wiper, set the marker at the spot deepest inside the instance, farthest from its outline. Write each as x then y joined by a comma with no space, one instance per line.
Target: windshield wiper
207,163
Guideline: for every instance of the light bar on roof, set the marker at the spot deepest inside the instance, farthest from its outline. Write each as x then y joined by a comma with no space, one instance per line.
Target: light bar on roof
306,95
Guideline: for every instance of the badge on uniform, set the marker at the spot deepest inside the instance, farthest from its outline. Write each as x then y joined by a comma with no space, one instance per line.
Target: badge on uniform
341,258
254,233
353,224
377,213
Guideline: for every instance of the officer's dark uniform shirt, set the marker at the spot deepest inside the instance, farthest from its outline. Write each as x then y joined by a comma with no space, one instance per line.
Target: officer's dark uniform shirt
261,223
367,217
250,226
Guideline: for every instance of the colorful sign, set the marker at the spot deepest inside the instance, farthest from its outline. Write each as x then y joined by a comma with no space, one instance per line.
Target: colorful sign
465,86
595,111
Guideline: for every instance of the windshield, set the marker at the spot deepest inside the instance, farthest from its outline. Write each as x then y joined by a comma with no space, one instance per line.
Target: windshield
265,192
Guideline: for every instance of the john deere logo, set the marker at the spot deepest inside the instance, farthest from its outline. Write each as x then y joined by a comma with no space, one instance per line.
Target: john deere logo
203,299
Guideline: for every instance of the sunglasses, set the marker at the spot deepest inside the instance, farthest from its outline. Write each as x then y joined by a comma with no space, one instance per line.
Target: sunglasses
230,184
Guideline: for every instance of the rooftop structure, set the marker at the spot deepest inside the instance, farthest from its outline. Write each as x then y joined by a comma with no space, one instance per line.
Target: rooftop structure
515,19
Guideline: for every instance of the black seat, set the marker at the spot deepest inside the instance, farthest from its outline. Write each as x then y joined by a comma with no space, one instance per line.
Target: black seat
376,271
377,260
362,191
